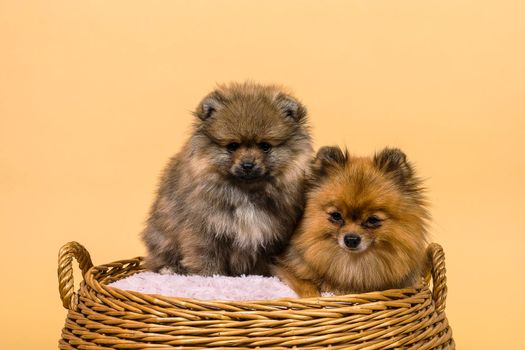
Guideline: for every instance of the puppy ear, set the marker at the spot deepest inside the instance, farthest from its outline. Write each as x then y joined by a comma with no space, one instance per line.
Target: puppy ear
328,157
209,105
290,107
394,162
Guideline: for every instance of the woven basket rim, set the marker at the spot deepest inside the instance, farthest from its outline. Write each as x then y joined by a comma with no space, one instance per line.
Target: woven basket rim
335,298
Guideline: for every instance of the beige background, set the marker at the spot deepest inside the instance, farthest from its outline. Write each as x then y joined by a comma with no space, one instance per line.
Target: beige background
95,96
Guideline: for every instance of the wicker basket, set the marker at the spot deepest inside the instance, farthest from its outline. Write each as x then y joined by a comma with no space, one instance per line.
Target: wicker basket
102,317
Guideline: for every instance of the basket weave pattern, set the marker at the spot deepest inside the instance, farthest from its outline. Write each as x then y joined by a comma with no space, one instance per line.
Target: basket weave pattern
102,317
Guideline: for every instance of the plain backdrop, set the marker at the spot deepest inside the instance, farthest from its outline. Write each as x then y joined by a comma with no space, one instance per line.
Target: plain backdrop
95,96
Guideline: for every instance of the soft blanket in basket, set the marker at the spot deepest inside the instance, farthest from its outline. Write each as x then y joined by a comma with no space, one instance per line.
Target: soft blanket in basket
206,288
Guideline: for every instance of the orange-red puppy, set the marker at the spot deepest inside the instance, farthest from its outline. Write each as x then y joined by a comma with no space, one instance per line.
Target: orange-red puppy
363,228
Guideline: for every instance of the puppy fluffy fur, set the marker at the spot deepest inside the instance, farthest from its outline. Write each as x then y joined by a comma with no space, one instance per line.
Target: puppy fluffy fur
380,201
229,200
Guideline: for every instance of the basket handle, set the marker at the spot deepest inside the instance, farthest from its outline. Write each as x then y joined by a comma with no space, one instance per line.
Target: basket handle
436,257
65,271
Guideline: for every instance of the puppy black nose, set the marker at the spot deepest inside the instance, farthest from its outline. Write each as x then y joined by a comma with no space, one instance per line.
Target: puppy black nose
247,165
352,241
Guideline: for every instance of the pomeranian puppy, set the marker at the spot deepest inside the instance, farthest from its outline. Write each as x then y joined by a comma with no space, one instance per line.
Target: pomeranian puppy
363,229
230,199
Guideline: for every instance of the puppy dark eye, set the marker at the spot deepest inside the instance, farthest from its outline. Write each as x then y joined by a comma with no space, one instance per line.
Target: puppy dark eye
336,217
372,222
231,147
265,146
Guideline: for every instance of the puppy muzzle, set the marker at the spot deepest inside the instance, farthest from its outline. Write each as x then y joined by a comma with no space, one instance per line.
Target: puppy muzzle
248,171
352,241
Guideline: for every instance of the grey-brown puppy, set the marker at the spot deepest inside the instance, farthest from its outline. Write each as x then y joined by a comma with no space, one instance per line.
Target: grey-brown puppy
230,199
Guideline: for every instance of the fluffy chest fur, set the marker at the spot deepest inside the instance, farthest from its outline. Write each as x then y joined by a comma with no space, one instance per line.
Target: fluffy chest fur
242,217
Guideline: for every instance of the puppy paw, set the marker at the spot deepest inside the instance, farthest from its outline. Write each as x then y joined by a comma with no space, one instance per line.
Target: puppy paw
307,291
166,270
